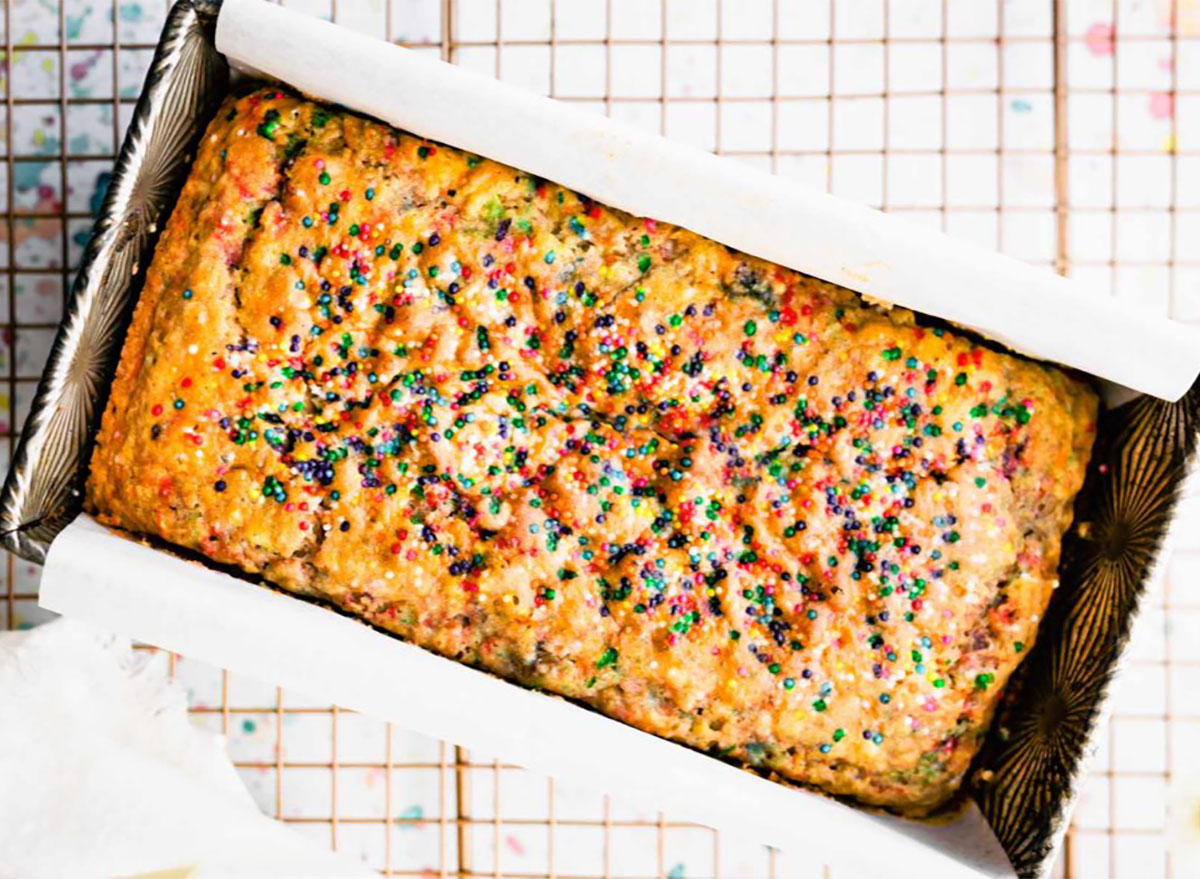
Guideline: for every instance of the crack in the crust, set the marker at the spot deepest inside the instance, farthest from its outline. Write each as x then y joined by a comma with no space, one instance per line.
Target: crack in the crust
312,545
750,286
758,464
287,157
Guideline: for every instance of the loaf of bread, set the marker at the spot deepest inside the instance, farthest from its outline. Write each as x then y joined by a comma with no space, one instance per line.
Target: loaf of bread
593,454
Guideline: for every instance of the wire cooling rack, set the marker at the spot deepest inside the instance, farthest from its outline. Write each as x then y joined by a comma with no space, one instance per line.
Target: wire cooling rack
1065,133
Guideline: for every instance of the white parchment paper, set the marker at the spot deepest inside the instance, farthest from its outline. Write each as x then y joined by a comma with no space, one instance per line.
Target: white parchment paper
1028,309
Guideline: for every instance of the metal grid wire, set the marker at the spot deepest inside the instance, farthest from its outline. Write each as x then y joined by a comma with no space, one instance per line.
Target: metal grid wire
1018,123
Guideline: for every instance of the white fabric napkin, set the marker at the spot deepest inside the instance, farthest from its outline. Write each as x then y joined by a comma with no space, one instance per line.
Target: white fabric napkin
103,775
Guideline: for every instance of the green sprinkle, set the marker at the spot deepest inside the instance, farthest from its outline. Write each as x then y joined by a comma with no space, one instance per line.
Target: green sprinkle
269,124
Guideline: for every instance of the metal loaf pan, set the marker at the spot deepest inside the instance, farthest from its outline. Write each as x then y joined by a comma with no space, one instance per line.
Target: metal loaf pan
1025,779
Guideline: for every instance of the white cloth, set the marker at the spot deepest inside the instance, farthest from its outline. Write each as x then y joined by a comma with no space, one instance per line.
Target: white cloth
103,775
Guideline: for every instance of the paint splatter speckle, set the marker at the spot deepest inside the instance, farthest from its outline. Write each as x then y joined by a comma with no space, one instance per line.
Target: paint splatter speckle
1099,39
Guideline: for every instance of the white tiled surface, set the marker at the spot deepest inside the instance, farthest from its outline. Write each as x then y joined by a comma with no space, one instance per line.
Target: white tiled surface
941,110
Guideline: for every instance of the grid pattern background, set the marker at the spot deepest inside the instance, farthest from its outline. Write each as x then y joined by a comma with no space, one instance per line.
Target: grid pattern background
1065,133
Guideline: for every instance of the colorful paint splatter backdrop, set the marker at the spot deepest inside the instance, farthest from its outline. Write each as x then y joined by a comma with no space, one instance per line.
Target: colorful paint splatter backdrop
941,109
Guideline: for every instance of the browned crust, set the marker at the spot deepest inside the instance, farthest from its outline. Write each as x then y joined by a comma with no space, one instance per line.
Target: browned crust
195,476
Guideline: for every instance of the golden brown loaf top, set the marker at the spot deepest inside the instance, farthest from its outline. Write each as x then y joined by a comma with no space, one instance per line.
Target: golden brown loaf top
710,497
